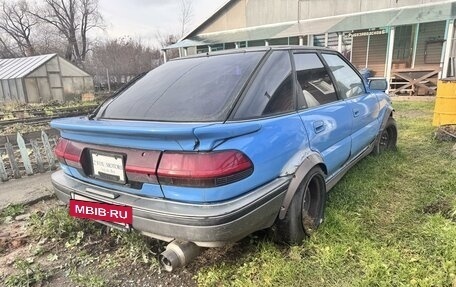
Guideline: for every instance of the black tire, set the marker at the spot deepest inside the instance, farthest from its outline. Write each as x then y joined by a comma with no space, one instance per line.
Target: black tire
306,211
388,138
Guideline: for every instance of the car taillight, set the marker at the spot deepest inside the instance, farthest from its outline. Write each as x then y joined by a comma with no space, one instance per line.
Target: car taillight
203,169
141,166
69,153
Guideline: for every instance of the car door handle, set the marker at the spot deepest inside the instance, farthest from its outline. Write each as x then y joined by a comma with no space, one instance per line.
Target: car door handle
319,126
355,113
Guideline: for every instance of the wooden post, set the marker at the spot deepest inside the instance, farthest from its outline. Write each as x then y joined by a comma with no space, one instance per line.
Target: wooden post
367,50
415,44
12,160
310,40
389,55
38,157
48,150
339,42
448,46
3,173
165,57
24,154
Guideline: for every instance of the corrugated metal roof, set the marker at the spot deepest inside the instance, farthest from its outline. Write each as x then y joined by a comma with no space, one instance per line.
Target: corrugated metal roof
20,67
397,17
247,34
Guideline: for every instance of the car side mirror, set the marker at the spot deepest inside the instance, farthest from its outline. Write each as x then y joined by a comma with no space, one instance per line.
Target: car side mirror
378,84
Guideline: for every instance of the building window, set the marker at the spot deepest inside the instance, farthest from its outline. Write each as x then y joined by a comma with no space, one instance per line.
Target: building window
256,43
333,40
295,40
403,44
229,46
217,47
242,44
279,41
202,49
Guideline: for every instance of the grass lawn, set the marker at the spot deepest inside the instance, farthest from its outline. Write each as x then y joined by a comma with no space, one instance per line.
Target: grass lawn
390,222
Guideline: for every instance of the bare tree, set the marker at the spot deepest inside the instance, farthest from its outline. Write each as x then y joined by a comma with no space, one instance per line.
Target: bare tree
165,40
5,49
123,58
185,15
16,22
73,19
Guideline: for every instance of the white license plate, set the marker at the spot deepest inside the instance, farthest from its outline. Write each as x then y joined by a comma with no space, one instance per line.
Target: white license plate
108,167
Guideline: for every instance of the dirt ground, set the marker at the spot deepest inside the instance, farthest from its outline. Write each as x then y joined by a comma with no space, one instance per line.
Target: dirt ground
96,262
413,98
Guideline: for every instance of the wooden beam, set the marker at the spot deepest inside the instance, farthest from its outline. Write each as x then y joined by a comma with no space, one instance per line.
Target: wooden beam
389,54
415,44
448,47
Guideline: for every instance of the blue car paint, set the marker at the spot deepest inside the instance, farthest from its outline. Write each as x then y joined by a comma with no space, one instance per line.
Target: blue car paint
332,141
132,134
365,124
213,135
271,143
285,134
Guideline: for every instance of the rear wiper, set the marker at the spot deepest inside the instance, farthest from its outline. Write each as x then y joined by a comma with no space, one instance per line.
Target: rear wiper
92,115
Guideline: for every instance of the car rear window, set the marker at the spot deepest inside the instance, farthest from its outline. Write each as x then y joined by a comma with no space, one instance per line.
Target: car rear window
194,89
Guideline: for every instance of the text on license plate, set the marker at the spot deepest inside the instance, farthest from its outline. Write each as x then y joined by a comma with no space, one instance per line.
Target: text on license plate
108,167
101,211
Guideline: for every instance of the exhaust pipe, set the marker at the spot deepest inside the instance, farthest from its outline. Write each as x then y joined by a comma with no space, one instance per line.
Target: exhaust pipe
178,254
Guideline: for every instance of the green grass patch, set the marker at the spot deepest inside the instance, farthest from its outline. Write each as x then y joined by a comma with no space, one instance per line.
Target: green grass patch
88,279
391,221
57,225
28,274
11,211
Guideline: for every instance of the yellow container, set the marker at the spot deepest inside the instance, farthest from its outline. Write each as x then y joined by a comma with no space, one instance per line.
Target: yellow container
445,103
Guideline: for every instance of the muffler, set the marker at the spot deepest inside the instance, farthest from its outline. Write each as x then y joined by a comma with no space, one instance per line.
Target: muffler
178,254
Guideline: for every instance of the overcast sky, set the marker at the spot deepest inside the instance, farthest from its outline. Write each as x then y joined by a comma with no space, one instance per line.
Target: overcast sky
144,18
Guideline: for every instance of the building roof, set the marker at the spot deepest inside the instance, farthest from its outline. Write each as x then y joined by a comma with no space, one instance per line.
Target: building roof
406,15
20,67
220,9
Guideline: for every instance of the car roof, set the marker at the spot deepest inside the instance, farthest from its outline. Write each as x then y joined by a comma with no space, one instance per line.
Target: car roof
256,49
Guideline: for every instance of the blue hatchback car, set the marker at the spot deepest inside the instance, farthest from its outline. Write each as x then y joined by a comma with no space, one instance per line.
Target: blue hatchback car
205,150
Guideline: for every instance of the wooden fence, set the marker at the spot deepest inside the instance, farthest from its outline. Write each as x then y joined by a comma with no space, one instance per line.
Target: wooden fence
27,157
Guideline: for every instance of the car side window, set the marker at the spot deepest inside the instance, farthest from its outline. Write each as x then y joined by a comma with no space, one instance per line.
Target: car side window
271,92
348,81
315,85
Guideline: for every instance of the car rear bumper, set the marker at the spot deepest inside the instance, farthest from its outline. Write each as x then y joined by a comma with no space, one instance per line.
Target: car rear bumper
207,225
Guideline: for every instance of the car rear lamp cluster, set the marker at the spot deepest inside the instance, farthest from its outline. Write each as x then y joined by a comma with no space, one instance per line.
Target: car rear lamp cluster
190,169
69,153
203,169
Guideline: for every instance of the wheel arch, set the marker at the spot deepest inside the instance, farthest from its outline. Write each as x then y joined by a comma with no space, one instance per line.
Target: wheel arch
312,160
388,114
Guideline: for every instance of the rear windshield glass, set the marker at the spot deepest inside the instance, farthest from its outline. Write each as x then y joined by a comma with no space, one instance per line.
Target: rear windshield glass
194,89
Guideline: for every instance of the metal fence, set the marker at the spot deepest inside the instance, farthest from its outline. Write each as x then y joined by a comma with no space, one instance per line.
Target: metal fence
27,157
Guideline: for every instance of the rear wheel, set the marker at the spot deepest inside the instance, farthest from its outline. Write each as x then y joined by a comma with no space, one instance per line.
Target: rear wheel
388,137
306,210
